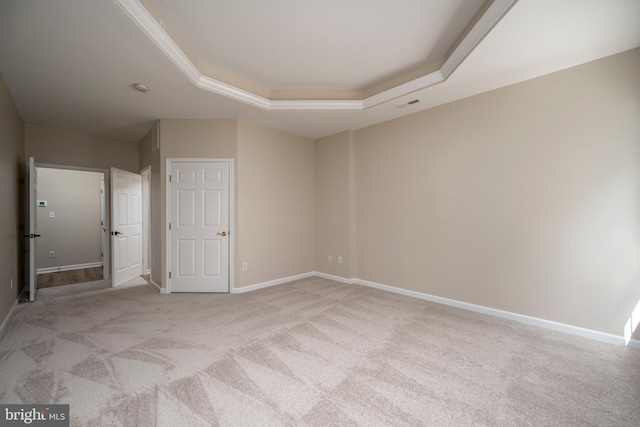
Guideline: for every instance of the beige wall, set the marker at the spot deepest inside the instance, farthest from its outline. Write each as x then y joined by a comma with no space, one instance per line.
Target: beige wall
49,145
75,232
333,211
275,187
149,158
192,139
524,199
12,207
274,192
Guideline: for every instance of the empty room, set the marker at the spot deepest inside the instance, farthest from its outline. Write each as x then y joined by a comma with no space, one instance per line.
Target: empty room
304,212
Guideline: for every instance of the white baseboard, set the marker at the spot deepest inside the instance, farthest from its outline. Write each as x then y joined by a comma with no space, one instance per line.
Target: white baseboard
634,344
8,316
69,267
548,324
271,283
155,286
521,318
334,278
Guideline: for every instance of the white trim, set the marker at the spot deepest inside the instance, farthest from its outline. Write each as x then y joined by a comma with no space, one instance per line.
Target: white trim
334,278
157,287
147,256
634,344
232,224
216,86
232,234
548,324
167,254
154,30
5,322
520,318
69,267
72,168
106,173
414,85
270,283
156,33
481,28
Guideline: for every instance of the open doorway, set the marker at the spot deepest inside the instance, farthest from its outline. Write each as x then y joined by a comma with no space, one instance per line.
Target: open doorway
71,218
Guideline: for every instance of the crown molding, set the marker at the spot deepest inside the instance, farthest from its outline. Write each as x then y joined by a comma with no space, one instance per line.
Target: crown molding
148,24
479,31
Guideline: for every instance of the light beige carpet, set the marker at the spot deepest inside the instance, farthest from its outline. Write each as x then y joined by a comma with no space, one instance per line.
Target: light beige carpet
311,352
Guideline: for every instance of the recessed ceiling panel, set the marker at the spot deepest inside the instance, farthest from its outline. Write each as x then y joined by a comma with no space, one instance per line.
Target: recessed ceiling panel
315,44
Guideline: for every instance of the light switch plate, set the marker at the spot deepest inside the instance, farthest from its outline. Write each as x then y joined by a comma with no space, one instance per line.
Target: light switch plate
52,214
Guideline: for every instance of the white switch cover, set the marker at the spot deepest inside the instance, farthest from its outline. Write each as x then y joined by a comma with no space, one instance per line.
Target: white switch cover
52,214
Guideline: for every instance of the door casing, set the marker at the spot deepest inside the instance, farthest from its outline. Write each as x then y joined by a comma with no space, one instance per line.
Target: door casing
105,210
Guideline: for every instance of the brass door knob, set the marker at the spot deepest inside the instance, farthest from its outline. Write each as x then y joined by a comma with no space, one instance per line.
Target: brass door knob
224,233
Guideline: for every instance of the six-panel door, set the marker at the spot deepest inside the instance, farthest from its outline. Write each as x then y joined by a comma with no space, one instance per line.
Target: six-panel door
199,227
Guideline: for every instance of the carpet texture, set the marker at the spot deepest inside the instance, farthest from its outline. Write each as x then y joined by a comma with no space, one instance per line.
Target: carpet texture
310,352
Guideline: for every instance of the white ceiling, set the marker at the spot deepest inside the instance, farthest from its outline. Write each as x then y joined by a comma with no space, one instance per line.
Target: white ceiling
70,63
316,44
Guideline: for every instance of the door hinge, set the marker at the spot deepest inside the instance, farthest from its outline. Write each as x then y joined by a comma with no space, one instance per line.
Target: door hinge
169,226
169,275
169,178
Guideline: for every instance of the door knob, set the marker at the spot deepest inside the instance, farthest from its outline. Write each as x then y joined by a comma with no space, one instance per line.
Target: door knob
224,233
115,233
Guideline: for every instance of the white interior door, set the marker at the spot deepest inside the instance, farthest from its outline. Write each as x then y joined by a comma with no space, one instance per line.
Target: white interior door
199,226
126,225
32,188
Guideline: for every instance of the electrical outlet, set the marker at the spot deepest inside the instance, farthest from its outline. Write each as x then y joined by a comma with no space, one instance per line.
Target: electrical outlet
245,266
52,254
330,258
339,260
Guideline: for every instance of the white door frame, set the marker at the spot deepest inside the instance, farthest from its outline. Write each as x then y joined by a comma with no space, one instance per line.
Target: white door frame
106,208
31,229
232,233
146,215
